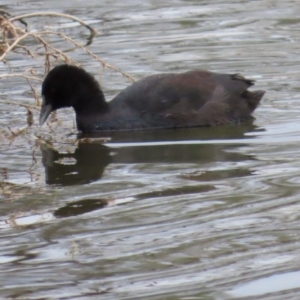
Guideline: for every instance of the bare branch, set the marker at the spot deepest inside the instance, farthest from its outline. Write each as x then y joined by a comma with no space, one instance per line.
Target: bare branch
55,14
21,75
22,105
15,38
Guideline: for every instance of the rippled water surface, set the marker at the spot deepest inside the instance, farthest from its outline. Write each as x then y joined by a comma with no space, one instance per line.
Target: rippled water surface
207,213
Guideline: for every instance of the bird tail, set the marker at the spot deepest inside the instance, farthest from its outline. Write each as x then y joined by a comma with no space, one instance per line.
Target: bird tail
253,98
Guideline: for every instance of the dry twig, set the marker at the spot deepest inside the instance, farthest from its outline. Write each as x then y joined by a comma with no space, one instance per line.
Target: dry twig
15,39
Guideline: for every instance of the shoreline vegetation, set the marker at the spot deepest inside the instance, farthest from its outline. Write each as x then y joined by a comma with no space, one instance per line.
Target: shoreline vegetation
17,37
15,32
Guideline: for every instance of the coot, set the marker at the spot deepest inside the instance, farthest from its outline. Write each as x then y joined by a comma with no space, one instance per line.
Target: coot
162,101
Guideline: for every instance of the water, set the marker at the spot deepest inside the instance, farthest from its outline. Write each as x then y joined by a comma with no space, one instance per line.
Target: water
206,213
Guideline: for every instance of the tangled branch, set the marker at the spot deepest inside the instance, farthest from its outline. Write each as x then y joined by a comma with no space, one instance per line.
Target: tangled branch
14,38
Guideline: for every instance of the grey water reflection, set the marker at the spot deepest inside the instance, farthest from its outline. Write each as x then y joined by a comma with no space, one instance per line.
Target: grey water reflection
89,160
87,164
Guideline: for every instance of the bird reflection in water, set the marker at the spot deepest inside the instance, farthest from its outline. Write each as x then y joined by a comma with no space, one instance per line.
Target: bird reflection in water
89,160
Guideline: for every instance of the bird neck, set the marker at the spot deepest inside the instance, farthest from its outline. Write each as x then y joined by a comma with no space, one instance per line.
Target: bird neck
92,105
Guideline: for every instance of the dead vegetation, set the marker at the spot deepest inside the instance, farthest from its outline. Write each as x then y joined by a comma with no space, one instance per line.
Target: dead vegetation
16,37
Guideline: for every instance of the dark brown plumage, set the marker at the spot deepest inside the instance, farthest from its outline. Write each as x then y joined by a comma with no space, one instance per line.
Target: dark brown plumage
162,101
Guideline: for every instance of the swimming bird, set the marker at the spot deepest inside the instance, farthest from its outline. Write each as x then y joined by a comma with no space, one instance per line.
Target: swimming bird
161,101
